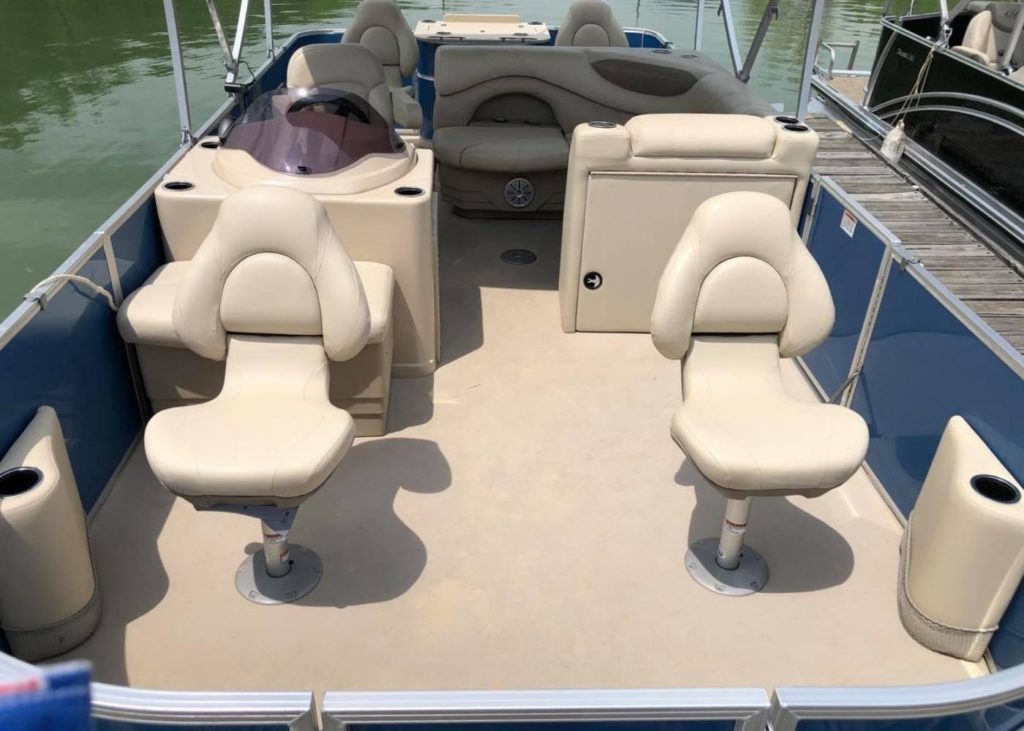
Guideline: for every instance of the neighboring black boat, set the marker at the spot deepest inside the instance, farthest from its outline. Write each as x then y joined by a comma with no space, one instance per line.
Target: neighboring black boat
968,106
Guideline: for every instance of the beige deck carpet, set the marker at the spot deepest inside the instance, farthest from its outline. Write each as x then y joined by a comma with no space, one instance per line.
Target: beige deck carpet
522,526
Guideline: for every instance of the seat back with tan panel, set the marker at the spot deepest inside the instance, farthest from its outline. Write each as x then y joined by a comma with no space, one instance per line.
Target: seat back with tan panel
632,190
273,294
590,23
380,26
504,114
739,293
349,68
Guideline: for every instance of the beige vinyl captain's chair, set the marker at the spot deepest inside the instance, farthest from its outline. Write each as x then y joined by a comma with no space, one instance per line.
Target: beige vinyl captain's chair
380,26
739,293
273,292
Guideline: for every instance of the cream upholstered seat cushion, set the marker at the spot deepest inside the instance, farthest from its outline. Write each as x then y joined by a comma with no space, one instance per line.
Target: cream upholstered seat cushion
502,148
380,26
739,292
145,316
590,23
748,436
270,437
988,35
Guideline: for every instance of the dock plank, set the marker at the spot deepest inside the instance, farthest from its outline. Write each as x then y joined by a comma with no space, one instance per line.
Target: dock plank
972,271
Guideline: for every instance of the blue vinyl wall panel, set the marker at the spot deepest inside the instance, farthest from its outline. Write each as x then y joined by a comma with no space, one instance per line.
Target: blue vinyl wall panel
922,366
138,247
71,357
999,718
850,264
62,703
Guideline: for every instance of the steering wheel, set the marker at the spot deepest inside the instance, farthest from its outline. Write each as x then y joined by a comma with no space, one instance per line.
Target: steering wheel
333,105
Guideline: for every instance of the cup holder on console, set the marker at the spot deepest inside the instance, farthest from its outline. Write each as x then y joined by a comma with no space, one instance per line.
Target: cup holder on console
19,480
210,144
178,185
796,127
408,191
996,489
787,120
602,125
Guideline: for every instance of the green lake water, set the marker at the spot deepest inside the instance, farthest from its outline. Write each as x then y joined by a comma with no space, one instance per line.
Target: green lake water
87,105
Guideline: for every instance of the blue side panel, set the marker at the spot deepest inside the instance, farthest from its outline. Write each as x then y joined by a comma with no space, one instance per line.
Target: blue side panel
63,702
717,725
999,718
138,247
850,264
924,366
70,356
105,725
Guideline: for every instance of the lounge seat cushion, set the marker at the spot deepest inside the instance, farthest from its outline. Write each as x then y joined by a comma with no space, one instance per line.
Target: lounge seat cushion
270,437
146,318
502,148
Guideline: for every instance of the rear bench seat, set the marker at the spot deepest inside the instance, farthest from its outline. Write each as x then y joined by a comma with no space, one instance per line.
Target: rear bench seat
504,115
175,376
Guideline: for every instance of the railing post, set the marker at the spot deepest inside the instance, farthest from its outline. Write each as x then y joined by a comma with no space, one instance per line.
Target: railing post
269,25
725,9
810,53
180,85
698,32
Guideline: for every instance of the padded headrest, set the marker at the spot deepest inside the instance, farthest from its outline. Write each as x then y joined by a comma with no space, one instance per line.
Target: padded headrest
380,26
722,251
271,265
331,64
590,23
1004,15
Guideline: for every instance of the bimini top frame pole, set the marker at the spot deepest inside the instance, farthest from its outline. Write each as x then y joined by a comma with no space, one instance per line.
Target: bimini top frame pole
180,86
810,53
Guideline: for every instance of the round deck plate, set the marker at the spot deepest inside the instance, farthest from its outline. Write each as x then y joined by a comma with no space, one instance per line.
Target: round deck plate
747,578
255,584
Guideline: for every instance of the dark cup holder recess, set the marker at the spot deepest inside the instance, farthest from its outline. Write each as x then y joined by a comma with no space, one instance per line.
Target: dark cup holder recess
19,480
210,144
796,127
996,489
408,191
602,125
664,50
787,120
178,185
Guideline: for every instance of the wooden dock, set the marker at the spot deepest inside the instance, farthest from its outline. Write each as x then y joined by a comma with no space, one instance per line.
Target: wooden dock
990,286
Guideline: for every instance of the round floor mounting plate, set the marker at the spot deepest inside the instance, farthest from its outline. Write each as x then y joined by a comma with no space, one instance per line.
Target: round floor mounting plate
255,584
747,578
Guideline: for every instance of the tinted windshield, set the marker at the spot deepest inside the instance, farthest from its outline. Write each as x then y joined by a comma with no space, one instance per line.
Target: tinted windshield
309,131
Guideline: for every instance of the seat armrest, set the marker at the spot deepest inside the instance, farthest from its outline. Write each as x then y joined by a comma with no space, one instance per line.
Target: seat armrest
973,54
408,113
379,285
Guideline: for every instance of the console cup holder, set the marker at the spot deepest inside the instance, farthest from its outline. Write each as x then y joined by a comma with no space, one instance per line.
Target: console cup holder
996,489
178,185
796,127
408,191
209,144
602,125
787,120
18,480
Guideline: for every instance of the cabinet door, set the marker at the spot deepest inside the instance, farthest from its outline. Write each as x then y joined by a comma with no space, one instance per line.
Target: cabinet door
633,223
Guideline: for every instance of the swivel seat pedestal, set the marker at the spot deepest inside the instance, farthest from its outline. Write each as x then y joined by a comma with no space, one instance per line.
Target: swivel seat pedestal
724,564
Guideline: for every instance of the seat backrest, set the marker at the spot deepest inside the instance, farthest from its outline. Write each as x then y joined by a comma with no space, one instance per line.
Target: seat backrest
991,30
380,26
271,265
741,269
581,84
349,68
590,23
658,168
